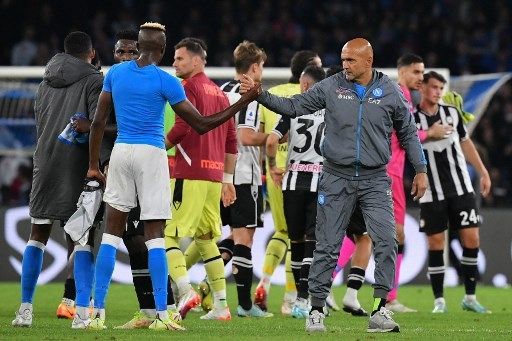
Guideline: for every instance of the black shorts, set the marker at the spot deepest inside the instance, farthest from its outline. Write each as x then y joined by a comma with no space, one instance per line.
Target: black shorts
134,226
300,213
356,226
454,212
247,208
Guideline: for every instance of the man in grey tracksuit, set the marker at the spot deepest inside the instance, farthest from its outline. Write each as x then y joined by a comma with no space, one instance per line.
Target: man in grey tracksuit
362,106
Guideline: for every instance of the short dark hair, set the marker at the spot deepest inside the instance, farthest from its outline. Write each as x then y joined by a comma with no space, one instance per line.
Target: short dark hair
246,54
195,45
127,35
315,72
299,62
408,59
435,75
77,43
332,70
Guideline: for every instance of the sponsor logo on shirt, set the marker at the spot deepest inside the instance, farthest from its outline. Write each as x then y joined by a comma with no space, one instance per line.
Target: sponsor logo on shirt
344,93
212,90
309,168
210,164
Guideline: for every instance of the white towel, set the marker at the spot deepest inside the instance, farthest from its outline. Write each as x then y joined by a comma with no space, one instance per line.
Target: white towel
81,221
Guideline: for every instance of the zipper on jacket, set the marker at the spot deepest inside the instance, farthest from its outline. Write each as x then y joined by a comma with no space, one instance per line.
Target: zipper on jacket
359,123
358,135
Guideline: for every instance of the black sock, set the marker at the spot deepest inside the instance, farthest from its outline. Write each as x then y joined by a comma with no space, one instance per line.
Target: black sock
170,295
319,309
69,289
297,255
355,278
242,271
141,278
436,271
226,249
469,269
303,288
378,303
400,250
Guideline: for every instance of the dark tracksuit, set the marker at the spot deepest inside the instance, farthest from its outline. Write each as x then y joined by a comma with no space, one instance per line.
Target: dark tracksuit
356,150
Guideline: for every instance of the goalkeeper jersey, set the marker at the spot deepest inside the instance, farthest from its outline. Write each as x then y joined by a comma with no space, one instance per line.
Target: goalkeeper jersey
270,119
169,117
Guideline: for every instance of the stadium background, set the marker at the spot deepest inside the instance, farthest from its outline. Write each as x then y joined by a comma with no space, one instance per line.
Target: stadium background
471,39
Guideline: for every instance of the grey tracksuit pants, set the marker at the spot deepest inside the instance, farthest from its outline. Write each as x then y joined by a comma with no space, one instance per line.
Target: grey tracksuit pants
337,196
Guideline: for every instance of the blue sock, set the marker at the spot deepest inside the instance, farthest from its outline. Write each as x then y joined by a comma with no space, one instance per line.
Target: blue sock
157,264
31,266
84,274
105,262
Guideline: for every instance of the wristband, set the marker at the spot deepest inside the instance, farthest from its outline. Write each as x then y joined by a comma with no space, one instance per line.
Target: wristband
227,178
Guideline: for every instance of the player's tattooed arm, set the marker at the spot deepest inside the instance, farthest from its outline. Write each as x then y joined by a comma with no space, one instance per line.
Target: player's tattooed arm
271,161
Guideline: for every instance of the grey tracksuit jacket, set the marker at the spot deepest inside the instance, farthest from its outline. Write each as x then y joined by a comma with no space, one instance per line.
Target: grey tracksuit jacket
357,130
356,150
69,86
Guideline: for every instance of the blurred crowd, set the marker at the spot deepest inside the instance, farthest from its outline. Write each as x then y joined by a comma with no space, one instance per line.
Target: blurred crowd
15,180
464,36
468,37
493,137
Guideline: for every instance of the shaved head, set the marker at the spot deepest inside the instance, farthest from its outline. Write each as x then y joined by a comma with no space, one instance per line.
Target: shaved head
360,46
357,60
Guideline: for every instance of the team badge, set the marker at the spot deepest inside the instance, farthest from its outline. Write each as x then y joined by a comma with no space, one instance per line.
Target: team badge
176,204
251,116
377,92
321,199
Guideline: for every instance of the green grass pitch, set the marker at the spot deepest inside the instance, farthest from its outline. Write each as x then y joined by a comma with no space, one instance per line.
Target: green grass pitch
121,304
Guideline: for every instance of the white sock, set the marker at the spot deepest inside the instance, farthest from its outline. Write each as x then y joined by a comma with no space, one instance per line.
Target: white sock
439,300
99,313
25,306
290,296
68,302
151,313
350,298
183,285
265,281
219,299
470,297
171,307
301,302
82,312
163,315
111,240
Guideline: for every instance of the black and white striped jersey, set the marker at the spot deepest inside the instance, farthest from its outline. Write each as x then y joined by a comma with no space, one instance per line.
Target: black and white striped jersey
247,169
447,170
305,139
